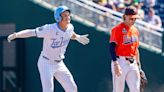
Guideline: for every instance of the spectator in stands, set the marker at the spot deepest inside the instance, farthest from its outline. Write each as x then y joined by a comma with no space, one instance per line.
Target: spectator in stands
152,18
116,2
102,20
149,3
102,2
121,7
110,5
128,2
141,12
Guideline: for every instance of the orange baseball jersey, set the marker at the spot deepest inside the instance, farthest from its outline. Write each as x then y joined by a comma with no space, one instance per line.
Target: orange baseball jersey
126,39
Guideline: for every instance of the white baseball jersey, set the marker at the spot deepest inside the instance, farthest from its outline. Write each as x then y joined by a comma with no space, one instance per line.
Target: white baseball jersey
55,40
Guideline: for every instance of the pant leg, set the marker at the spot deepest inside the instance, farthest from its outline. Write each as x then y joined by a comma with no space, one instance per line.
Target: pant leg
118,82
65,78
133,80
46,71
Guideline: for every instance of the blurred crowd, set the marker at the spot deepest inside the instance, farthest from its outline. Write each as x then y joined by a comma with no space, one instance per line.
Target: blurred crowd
145,8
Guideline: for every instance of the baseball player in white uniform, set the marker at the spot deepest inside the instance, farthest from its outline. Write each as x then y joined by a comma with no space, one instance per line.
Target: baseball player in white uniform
55,41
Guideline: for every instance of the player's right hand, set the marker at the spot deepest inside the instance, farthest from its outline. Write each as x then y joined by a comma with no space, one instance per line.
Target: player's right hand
117,69
11,37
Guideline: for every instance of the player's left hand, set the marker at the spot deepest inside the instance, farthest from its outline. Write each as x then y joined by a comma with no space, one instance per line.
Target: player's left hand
143,80
83,39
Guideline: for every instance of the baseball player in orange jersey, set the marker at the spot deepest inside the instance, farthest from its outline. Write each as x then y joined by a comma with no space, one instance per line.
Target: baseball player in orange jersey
124,43
56,37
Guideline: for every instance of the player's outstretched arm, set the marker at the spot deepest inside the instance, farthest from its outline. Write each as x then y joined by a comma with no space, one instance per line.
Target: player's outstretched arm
22,34
81,38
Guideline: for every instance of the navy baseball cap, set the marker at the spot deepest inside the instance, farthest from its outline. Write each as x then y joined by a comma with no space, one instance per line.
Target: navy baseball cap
132,11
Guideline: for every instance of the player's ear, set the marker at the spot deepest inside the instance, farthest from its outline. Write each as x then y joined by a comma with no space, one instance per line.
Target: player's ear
123,17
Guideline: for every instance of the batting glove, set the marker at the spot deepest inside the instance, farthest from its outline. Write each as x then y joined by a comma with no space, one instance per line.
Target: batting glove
82,39
11,37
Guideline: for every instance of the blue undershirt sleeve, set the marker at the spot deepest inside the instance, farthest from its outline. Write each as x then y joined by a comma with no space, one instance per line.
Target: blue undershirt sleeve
112,47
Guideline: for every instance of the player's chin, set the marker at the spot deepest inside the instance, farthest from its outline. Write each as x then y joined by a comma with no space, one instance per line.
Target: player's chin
68,22
132,23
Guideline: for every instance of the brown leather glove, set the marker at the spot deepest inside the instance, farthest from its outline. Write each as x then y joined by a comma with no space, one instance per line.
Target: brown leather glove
143,81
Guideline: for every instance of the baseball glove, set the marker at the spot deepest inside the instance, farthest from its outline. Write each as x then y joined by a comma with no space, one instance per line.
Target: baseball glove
143,81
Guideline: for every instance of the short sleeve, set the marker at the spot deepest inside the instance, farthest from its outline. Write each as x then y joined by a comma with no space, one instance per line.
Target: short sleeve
115,36
42,31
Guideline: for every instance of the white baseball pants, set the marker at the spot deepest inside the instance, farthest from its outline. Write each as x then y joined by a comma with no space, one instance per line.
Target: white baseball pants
130,75
49,69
